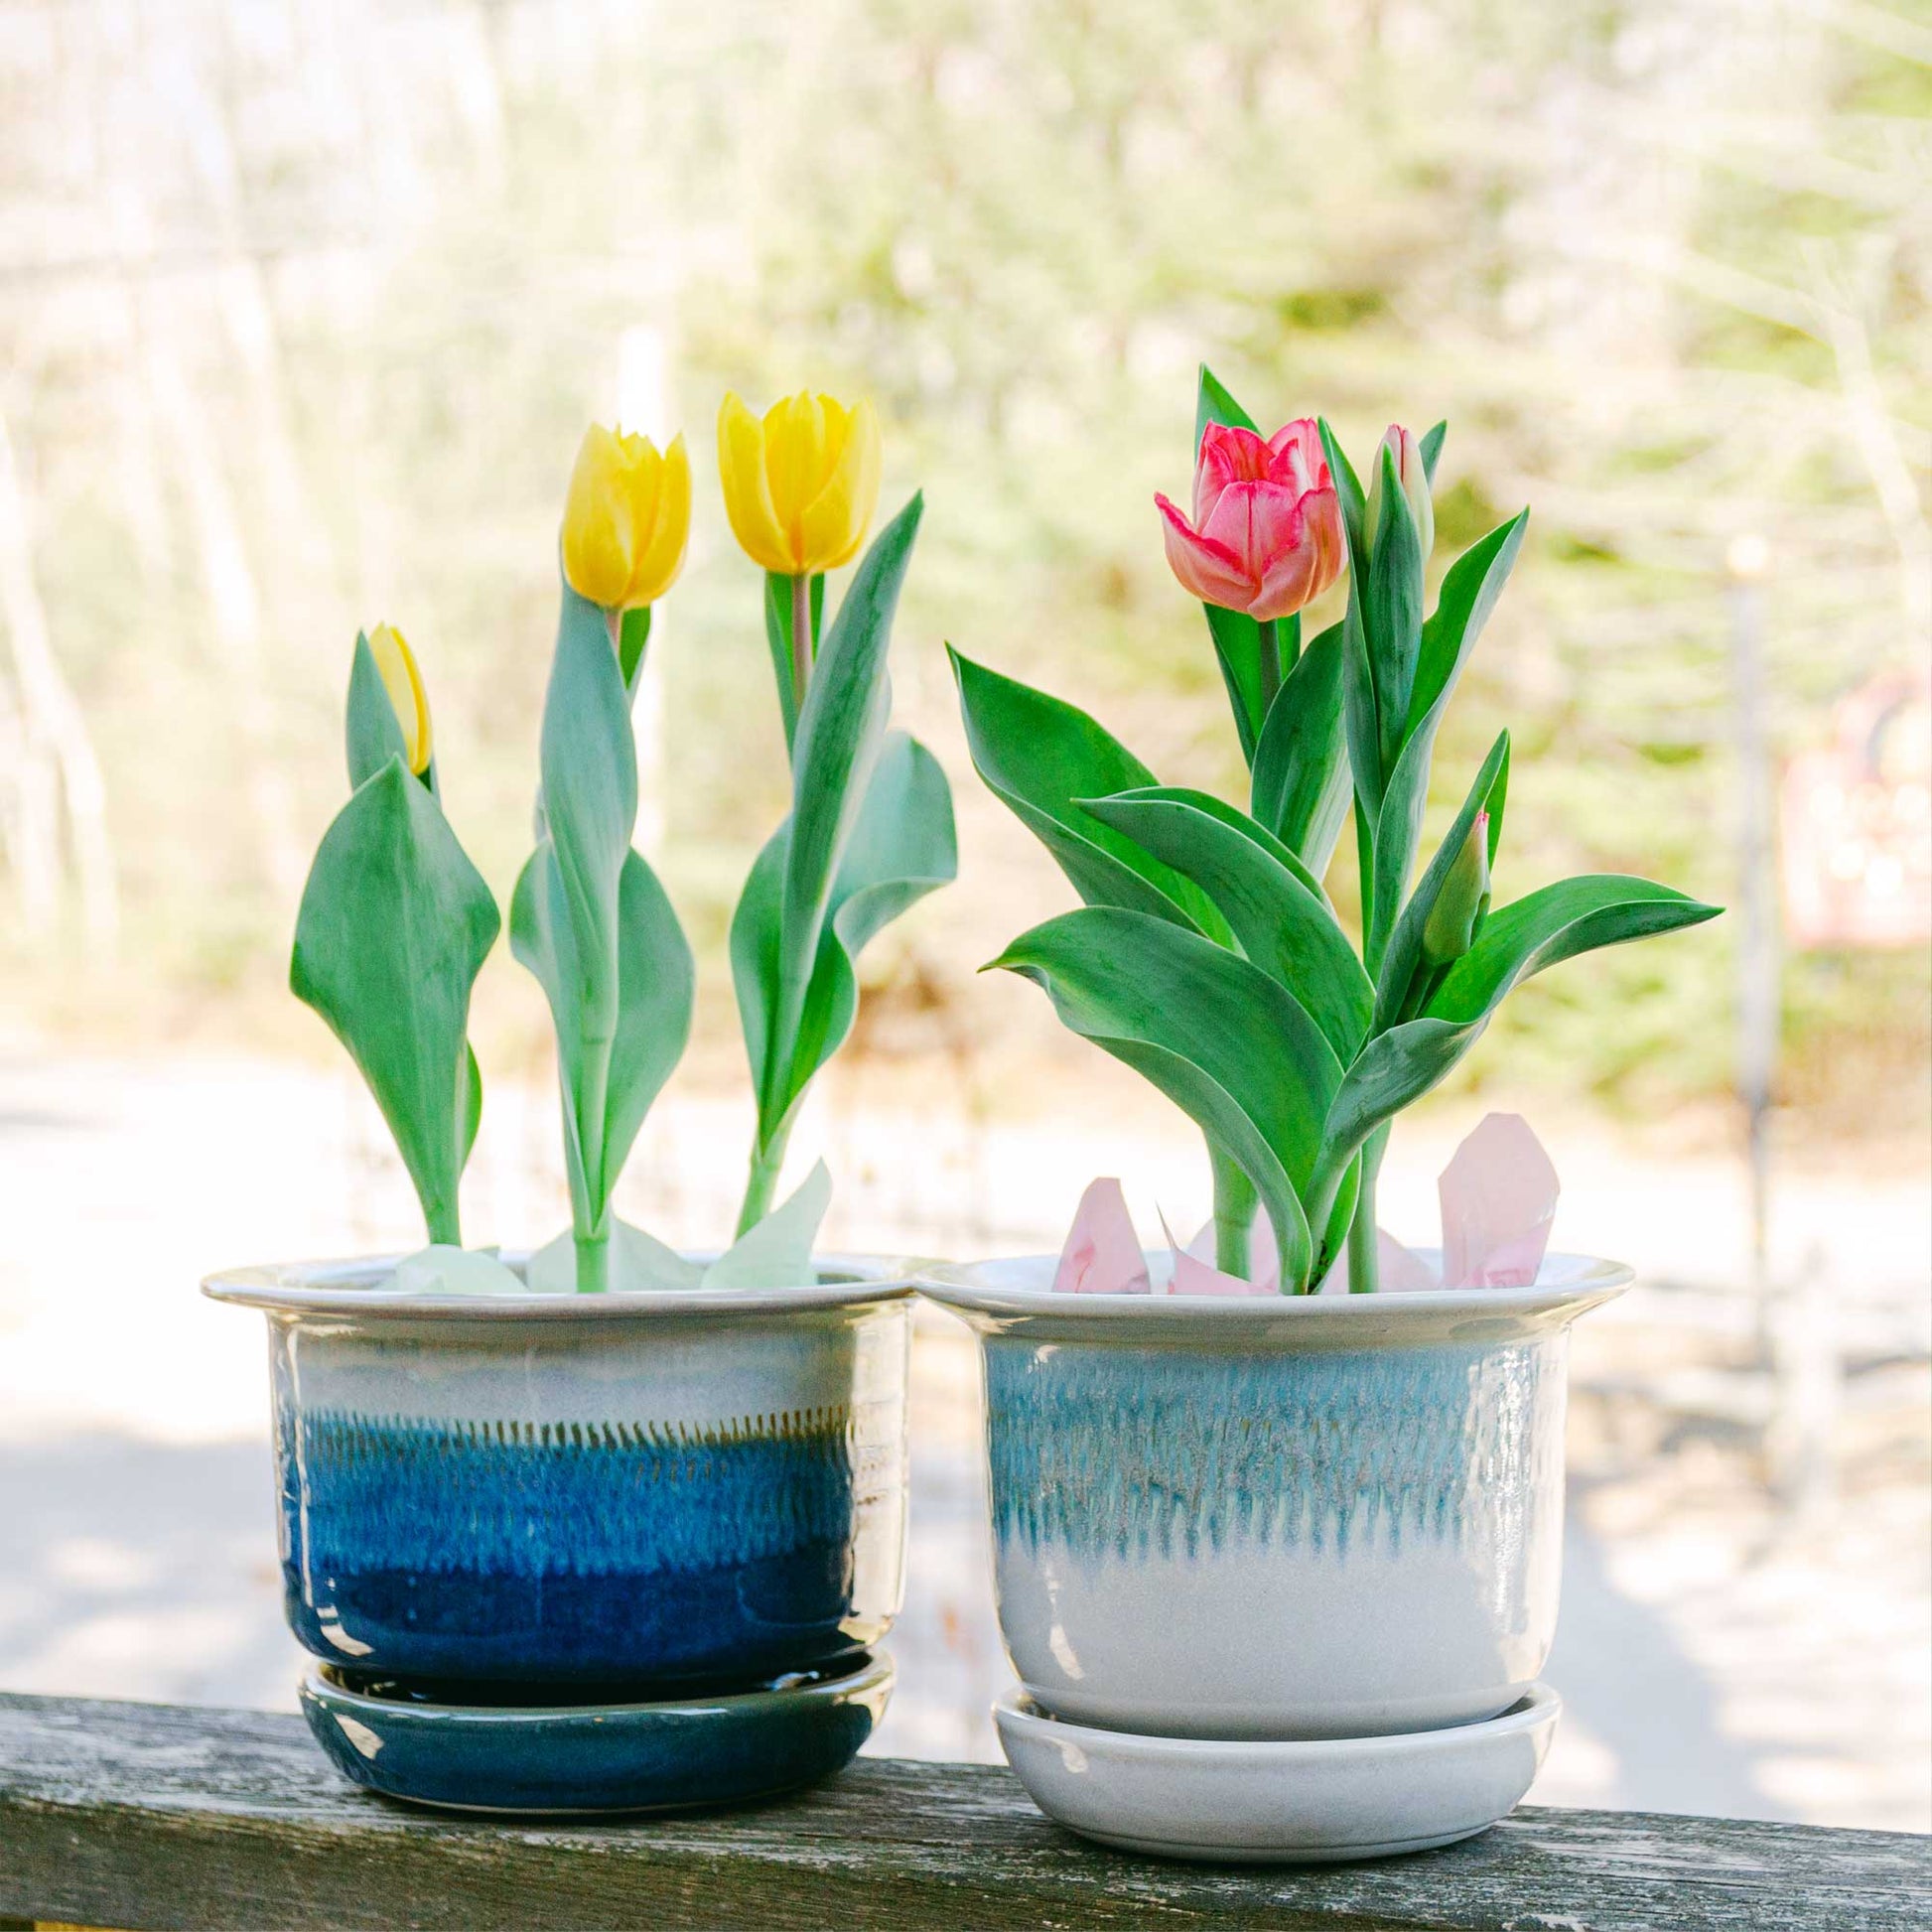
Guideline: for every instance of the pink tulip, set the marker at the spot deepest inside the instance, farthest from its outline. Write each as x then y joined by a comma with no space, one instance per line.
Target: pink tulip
1267,535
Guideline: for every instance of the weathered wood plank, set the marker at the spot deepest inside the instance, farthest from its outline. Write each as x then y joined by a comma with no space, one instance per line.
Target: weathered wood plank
153,1818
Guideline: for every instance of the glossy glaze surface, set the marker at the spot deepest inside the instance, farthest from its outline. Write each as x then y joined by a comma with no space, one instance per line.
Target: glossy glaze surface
1292,1521
1309,1802
597,1757
655,1495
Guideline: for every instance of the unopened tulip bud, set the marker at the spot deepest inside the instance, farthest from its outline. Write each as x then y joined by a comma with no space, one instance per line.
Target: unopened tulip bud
801,482
1414,479
407,698
1454,919
626,520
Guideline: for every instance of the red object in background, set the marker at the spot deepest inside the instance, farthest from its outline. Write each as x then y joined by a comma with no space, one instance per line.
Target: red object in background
1855,825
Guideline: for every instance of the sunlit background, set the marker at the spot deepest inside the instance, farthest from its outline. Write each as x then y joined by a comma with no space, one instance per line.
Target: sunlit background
305,304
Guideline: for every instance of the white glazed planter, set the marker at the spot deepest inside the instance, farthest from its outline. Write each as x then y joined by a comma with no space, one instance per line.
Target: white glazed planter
1279,1518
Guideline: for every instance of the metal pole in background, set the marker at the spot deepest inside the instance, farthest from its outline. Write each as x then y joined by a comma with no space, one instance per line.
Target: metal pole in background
1797,1343
1746,561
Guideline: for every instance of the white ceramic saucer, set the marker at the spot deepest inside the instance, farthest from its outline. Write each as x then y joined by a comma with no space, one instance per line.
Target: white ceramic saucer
1251,1803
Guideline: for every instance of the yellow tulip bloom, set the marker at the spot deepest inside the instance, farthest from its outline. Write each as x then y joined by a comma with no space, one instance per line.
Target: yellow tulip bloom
626,520
800,486
407,698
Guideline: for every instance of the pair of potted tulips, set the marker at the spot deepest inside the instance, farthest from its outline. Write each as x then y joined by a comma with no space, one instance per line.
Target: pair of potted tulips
607,1526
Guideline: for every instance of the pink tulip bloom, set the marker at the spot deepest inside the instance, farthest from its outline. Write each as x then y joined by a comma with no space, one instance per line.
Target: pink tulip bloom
1266,536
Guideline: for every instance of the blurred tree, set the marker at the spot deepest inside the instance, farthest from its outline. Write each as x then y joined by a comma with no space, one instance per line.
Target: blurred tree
1663,264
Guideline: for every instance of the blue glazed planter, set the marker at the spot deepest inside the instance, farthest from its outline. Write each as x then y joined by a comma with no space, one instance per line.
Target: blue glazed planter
597,1757
661,1491
1279,1517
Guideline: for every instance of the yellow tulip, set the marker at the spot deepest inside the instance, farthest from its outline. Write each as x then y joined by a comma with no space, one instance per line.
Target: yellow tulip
627,518
407,698
800,486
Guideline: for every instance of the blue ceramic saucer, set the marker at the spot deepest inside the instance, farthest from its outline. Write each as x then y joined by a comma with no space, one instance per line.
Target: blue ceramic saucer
678,1755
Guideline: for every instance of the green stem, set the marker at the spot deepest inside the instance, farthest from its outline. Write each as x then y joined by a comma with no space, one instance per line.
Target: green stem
762,1180
445,1226
591,1192
1363,1260
1234,1213
1365,872
1271,663
594,1260
801,639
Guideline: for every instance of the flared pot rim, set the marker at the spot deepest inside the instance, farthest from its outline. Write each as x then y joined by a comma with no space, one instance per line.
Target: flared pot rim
837,1683
354,1287
1001,1297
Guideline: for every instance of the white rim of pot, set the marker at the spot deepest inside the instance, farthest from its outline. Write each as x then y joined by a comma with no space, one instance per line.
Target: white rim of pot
356,1288
993,1297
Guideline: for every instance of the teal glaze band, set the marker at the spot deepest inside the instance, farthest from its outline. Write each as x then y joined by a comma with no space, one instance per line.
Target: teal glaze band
1117,1453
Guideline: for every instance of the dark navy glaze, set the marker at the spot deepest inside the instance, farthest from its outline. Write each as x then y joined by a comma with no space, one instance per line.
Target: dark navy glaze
596,1758
537,1553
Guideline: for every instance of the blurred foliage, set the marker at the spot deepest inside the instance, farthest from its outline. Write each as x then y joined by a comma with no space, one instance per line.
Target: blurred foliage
305,308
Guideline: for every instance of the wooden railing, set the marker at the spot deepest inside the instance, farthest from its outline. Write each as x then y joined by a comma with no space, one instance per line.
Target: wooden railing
149,1817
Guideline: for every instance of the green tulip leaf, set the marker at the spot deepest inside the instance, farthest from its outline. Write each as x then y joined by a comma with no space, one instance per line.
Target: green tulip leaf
1348,489
1391,609
1037,754
657,988
1553,923
1342,1215
1392,1071
1430,447
394,926
591,921
870,831
471,1101
1470,588
1279,918
1215,404
901,848
375,734
1236,637
633,639
1360,720
839,728
1470,592
1402,959
1229,1044
1301,786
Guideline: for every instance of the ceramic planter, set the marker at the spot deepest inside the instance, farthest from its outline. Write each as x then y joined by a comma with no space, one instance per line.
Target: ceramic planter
571,1758
588,1496
1275,1518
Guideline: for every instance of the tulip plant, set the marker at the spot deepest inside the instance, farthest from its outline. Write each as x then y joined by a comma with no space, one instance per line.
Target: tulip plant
395,922
1208,955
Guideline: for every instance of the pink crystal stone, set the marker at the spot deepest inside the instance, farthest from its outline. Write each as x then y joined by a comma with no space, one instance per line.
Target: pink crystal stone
1102,1255
1499,1200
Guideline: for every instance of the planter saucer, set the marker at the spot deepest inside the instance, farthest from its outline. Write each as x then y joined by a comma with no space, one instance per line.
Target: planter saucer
577,1758
1257,1803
